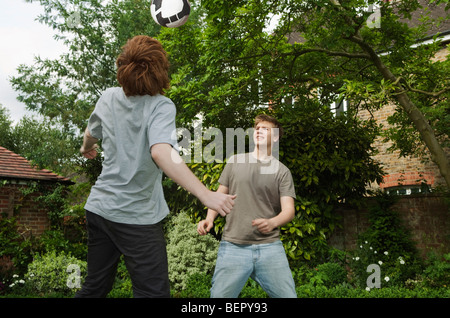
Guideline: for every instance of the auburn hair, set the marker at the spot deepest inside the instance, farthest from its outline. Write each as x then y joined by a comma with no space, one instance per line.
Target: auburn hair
143,66
270,119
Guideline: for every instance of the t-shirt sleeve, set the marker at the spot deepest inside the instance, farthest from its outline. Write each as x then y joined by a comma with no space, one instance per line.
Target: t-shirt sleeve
161,126
287,188
95,122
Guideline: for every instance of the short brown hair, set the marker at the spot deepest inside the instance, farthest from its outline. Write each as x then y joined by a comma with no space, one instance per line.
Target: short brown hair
270,119
142,67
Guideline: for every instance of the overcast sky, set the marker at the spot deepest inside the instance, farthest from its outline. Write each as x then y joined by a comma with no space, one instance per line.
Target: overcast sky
22,38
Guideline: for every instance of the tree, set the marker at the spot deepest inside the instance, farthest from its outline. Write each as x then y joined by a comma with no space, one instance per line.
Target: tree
338,56
226,65
66,89
43,143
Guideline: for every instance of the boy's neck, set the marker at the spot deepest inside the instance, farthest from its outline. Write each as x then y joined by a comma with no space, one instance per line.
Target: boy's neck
262,154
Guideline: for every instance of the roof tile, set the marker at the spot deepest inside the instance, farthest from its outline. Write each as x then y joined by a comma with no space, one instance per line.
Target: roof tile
14,166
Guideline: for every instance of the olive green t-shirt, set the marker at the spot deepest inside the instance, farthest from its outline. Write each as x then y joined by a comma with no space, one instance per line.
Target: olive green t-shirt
259,187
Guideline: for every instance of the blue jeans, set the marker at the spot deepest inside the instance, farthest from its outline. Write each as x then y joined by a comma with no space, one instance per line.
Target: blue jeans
264,263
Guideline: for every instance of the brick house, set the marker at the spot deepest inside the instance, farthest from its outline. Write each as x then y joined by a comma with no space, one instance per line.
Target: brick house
17,175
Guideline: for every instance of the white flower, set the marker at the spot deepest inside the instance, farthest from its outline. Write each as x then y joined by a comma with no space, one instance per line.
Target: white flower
368,288
370,247
12,285
386,253
366,242
386,279
380,262
21,281
375,252
15,276
360,246
357,258
402,262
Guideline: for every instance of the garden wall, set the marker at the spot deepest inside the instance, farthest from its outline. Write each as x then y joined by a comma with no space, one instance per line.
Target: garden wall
31,215
427,216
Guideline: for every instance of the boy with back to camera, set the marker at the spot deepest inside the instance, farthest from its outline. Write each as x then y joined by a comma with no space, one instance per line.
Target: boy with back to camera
126,205
250,245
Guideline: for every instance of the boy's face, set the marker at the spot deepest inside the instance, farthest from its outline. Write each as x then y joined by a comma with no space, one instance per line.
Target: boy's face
264,134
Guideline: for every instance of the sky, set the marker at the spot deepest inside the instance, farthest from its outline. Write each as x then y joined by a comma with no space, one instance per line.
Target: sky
22,38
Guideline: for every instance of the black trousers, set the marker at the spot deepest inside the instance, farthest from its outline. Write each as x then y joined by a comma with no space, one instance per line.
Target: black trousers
144,250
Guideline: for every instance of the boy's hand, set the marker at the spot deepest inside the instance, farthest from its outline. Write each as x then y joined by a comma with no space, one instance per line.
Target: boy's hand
264,225
89,153
220,202
204,226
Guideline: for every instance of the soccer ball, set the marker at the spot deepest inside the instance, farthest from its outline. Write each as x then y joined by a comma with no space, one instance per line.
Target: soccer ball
170,13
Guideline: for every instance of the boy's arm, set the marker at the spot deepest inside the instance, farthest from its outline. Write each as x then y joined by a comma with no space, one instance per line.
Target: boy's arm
174,167
89,147
205,225
285,216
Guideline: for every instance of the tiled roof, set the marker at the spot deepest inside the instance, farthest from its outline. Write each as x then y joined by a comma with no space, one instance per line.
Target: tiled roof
13,166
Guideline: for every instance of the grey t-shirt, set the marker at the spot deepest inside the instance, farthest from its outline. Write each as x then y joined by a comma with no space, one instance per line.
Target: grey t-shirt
259,187
129,188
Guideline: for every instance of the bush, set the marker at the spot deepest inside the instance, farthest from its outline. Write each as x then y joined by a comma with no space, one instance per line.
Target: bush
198,285
310,291
437,273
14,245
387,244
53,272
329,275
188,253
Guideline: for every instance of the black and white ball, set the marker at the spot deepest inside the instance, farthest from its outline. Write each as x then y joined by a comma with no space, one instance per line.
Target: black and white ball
170,13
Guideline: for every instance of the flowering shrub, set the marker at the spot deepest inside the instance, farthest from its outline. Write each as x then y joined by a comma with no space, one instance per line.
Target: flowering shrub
386,244
393,270
53,272
188,253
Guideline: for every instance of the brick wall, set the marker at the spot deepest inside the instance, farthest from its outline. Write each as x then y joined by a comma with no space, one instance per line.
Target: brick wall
31,215
407,170
427,216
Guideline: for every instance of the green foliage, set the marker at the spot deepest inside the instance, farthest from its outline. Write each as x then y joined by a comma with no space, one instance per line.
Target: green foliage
179,200
50,273
44,143
330,160
15,246
329,275
187,252
308,291
318,282
198,285
388,244
437,273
